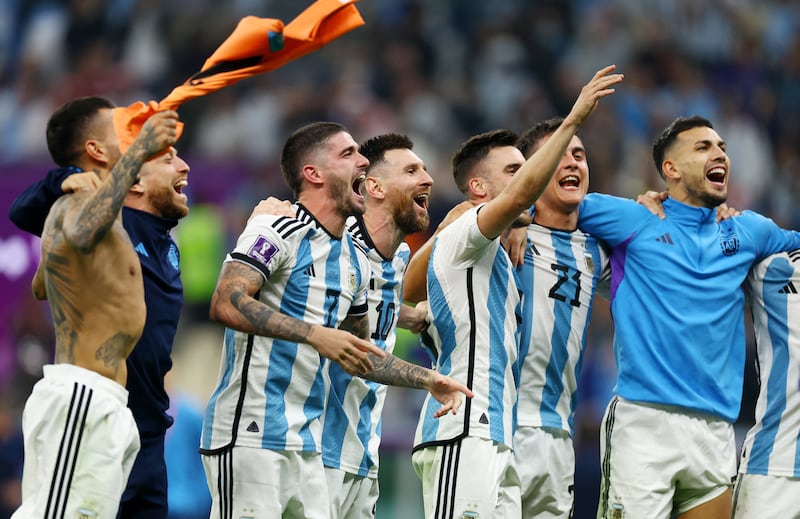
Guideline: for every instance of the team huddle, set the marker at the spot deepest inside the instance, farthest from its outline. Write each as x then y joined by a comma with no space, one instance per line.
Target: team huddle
314,290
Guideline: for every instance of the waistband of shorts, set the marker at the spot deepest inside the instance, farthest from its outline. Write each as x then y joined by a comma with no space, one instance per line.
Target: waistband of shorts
72,373
684,411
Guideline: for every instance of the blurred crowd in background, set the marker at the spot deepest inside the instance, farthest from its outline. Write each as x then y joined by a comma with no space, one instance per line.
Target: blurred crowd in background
439,71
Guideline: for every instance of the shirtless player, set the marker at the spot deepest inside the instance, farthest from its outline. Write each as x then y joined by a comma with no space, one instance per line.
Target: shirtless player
92,278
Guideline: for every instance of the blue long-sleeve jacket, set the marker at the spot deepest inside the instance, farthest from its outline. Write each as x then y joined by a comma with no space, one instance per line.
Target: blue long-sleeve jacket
676,298
163,292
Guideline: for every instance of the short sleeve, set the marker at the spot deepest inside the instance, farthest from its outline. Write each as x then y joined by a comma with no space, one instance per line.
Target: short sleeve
461,243
261,246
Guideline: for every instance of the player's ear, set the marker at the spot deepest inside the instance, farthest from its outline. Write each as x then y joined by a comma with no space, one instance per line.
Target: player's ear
476,185
95,150
374,187
670,170
312,174
137,187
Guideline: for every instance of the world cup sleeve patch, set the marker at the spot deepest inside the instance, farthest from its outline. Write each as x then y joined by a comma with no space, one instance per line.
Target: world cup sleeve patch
262,250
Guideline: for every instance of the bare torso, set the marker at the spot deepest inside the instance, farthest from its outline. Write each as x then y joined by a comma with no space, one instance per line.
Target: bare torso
96,298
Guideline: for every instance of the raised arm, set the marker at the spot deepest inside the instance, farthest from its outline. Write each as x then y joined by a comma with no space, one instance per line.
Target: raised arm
88,222
533,176
234,305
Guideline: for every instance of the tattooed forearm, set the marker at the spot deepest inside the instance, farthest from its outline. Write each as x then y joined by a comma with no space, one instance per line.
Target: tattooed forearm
393,371
357,325
267,322
99,210
112,352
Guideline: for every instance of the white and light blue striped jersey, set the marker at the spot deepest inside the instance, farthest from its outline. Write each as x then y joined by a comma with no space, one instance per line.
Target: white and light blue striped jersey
271,392
474,298
559,277
772,445
351,431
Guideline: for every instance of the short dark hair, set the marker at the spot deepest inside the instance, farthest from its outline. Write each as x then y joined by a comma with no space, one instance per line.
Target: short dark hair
299,145
530,139
670,134
68,127
375,148
474,150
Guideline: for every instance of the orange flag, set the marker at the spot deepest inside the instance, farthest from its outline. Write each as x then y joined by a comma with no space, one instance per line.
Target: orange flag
256,45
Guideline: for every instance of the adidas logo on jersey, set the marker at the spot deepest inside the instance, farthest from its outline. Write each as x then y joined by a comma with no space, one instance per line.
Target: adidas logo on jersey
664,238
483,419
141,250
253,427
788,289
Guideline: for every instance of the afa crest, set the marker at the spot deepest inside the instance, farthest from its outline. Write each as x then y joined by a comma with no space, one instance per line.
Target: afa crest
587,258
352,280
729,244
172,257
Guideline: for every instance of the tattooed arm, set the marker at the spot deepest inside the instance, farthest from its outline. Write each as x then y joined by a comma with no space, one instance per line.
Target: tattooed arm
90,220
394,371
234,306
358,325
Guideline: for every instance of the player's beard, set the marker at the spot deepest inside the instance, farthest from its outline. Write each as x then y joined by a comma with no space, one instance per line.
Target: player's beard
164,201
406,217
708,198
342,193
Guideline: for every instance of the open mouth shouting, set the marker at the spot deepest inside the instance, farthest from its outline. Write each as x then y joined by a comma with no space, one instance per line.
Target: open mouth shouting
358,183
179,185
421,201
570,182
717,176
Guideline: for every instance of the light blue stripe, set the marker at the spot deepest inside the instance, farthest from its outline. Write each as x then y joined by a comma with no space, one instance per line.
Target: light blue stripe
593,247
230,362
498,356
314,405
527,281
283,353
562,325
335,424
365,428
445,326
776,304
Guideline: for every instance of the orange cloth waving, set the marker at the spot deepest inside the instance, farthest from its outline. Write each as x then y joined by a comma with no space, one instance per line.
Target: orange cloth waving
256,45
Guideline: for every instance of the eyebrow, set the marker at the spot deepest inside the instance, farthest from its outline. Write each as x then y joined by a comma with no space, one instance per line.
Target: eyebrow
415,165
351,148
709,142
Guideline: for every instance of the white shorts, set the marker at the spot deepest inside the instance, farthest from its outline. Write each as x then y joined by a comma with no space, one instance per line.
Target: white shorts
471,477
545,460
352,496
80,444
247,482
766,497
658,461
